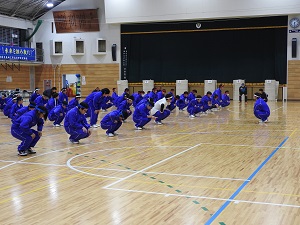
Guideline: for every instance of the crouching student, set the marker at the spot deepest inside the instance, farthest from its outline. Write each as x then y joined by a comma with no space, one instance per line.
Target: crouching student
160,110
141,115
76,125
225,99
125,105
195,106
261,109
112,121
21,129
24,110
58,113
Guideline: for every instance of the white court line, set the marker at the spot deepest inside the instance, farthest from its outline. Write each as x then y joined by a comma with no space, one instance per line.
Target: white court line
155,164
204,197
276,109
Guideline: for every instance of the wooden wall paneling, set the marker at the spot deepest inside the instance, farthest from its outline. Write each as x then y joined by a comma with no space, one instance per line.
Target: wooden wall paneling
20,78
293,80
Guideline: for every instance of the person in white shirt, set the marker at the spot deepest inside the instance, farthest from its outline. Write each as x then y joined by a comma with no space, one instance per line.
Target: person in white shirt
160,110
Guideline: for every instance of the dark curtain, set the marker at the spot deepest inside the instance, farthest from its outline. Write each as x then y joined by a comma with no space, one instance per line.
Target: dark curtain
254,55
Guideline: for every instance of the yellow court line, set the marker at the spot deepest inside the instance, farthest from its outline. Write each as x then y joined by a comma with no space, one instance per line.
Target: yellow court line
70,177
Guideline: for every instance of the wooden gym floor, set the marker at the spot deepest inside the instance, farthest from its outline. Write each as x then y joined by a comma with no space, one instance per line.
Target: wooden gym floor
222,168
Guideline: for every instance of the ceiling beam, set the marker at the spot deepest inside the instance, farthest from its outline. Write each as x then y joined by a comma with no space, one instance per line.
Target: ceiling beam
16,8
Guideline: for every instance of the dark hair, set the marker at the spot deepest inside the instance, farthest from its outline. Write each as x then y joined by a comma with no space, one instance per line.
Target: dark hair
126,95
54,95
131,97
54,88
227,91
168,96
42,109
185,93
194,90
124,114
198,96
261,89
83,105
32,105
105,91
208,93
126,89
221,85
64,103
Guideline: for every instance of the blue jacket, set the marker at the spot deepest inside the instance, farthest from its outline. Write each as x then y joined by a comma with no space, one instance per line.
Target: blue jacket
194,104
7,108
27,121
75,120
160,95
114,96
124,105
89,98
56,111
98,100
40,101
20,112
141,111
191,96
62,97
205,100
153,96
14,108
52,102
225,98
261,106
73,103
34,96
219,93
111,118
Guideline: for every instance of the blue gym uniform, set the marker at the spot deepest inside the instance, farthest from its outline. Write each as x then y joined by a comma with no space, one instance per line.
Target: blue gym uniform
57,114
261,109
225,100
21,129
140,115
111,122
195,107
74,122
40,101
62,97
14,108
73,103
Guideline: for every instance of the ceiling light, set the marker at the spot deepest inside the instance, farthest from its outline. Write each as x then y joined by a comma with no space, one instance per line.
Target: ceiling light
49,4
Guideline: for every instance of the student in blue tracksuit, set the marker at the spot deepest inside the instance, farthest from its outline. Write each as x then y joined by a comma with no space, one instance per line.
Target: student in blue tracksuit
9,104
106,103
22,129
52,102
114,95
183,102
125,105
75,123
173,103
57,114
95,105
3,101
219,93
15,107
225,99
192,95
153,94
120,98
261,109
161,94
138,96
195,106
112,121
206,101
141,115
34,95
42,99
74,102
63,96
215,102
24,110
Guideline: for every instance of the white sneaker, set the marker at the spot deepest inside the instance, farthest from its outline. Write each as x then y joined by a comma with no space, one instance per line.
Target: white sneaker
95,126
74,142
139,128
192,116
56,125
158,122
110,135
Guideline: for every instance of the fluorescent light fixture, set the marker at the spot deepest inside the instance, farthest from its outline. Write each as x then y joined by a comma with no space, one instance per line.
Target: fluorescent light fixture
49,4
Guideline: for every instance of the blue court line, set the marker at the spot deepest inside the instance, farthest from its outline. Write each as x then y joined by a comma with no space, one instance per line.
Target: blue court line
221,209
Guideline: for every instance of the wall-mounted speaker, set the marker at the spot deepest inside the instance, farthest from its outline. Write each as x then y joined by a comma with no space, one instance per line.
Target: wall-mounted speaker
294,48
114,52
